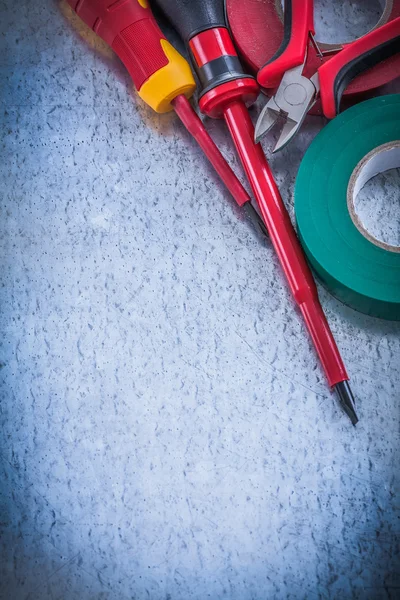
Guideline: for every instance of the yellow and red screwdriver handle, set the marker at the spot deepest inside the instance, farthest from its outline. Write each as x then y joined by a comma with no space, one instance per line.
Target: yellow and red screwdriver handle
162,77
226,90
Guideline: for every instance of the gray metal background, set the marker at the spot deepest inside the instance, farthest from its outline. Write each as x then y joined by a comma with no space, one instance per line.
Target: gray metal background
167,432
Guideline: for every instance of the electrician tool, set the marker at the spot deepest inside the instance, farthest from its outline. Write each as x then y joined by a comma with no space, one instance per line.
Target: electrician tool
162,76
355,267
264,19
226,90
296,93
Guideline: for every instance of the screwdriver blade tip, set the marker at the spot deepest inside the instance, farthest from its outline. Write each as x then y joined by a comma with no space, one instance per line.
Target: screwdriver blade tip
347,402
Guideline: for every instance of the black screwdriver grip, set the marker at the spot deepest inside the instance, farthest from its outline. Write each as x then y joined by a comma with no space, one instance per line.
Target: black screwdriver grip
190,17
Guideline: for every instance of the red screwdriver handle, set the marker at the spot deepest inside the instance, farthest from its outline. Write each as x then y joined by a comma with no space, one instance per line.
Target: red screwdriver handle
202,25
191,17
158,71
355,58
298,24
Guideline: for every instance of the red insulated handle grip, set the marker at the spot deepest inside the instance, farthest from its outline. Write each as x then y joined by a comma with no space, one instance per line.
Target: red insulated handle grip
128,26
298,24
336,74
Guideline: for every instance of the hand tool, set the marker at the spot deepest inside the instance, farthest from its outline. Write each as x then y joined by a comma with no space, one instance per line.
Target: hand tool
226,90
358,269
161,75
296,93
264,19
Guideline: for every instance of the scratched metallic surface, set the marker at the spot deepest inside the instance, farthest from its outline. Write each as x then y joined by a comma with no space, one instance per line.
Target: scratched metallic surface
166,430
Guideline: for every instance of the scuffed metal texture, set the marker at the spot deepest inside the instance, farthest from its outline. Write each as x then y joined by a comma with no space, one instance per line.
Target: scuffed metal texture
167,432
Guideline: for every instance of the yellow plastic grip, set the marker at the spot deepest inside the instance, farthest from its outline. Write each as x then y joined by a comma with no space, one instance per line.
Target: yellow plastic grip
167,83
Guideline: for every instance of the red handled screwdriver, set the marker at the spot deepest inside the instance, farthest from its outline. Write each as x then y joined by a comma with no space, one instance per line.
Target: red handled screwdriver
162,76
226,90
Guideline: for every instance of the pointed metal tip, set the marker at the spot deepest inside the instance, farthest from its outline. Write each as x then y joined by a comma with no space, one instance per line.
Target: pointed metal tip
261,129
267,119
255,218
289,130
346,398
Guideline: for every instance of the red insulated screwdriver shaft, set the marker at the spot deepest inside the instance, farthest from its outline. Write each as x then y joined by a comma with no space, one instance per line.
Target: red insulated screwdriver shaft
226,90
195,127
284,240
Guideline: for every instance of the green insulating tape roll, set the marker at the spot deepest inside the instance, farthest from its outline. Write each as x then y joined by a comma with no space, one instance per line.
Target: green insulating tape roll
360,271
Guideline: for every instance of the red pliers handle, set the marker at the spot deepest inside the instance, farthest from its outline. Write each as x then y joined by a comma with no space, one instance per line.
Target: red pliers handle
297,26
366,52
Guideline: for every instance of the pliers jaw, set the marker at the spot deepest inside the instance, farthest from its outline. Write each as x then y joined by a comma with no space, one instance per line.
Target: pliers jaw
295,96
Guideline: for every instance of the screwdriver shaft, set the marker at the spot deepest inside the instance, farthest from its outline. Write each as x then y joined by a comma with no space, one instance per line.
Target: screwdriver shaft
285,240
194,125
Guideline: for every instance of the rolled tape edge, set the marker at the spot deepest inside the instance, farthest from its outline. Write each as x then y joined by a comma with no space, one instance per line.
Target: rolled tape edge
373,307
383,298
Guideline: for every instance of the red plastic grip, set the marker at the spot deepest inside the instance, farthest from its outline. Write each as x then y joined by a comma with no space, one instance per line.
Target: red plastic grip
130,29
366,52
139,48
211,44
299,23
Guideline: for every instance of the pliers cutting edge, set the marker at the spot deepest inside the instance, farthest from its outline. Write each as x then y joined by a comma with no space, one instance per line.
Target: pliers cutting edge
296,93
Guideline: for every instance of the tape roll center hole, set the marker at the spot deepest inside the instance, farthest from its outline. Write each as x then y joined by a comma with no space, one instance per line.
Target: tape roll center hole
375,198
339,22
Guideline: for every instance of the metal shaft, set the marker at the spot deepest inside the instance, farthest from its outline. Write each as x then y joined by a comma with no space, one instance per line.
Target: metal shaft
347,400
